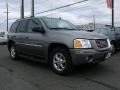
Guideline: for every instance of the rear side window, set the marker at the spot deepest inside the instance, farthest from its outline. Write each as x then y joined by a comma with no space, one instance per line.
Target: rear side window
14,27
23,26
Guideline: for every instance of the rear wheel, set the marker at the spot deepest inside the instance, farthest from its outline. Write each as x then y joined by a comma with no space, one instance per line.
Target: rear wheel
13,52
60,61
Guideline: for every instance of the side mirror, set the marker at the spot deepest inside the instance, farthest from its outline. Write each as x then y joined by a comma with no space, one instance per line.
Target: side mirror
112,29
38,29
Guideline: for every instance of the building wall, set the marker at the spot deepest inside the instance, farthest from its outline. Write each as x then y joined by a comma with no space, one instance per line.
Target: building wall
90,26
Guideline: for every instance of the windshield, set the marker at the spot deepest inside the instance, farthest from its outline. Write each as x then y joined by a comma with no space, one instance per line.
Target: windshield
53,23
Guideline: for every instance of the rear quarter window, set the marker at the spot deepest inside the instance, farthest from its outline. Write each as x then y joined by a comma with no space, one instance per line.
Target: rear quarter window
14,27
23,26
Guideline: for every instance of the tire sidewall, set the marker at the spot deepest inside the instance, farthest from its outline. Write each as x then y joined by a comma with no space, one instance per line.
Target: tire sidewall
68,66
16,54
113,49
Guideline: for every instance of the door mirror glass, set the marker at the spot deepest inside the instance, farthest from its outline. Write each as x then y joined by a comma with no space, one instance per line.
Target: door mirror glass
38,29
112,29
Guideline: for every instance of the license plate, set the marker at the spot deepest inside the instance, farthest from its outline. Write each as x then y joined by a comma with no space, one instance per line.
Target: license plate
108,56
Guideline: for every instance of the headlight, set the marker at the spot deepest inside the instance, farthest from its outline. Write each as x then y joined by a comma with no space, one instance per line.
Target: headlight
109,44
82,43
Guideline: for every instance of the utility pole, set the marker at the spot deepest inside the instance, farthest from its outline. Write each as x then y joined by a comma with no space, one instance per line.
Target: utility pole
7,14
94,21
32,8
112,13
22,9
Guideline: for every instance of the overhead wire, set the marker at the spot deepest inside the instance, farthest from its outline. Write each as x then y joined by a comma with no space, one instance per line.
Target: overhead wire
57,8
3,22
61,7
96,3
88,6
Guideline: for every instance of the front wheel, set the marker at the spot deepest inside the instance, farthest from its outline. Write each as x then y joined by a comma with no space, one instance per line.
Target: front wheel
113,49
60,61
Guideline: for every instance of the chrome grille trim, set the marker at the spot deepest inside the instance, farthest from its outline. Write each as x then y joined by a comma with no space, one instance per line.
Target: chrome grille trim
102,43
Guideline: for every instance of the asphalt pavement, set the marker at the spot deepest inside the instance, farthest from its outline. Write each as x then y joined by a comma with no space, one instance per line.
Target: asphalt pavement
31,75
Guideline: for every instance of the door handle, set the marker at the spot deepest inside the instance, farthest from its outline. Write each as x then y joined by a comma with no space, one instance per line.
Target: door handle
14,36
26,37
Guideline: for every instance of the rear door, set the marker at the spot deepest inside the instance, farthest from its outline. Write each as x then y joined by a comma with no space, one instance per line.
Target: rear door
21,36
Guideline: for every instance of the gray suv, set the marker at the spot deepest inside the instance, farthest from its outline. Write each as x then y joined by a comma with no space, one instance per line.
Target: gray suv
57,42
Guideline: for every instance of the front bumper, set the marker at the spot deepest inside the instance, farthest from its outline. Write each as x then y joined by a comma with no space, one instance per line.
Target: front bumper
81,56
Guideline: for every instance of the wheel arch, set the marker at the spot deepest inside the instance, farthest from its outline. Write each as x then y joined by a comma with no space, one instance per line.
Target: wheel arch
113,42
10,42
52,46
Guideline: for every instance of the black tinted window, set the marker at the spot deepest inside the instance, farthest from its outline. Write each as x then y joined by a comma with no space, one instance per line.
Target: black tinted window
14,27
34,23
23,26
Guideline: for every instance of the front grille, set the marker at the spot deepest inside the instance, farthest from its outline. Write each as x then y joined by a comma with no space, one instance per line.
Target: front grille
102,43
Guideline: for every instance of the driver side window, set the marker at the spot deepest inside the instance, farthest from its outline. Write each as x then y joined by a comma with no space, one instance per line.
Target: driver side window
34,23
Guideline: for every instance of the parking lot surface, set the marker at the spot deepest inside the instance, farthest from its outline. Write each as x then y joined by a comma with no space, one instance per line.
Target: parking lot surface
30,75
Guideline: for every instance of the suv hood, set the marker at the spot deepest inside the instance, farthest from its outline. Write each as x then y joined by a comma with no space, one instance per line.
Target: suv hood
82,34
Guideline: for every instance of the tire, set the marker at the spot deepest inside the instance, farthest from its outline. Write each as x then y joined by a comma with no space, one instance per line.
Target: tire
60,61
13,52
113,49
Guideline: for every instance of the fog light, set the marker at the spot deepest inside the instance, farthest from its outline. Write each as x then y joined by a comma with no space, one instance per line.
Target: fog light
89,58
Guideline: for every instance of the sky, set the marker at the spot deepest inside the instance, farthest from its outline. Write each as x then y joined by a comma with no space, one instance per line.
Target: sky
81,13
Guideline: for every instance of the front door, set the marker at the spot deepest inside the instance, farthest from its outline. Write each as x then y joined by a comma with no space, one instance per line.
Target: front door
36,40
